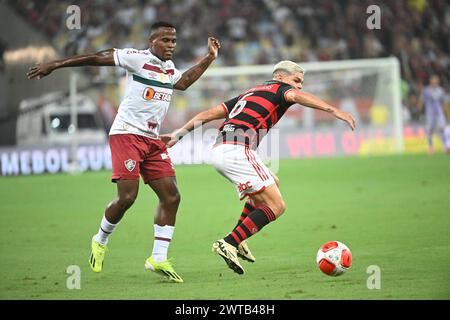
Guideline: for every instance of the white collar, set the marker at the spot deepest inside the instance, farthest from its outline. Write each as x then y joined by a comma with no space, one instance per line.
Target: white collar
157,60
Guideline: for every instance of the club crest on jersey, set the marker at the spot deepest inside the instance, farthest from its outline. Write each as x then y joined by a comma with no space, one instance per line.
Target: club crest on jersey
130,164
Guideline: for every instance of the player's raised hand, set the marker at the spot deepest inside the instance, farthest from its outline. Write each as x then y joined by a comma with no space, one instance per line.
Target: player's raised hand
213,46
344,116
40,70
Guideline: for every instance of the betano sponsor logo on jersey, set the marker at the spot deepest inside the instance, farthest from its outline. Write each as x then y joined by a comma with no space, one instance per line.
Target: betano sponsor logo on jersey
150,93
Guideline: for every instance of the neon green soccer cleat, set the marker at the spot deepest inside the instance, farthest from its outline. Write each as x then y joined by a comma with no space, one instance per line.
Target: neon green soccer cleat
164,269
97,256
245,253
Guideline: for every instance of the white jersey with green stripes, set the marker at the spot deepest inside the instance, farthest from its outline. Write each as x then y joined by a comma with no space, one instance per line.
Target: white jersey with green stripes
148,92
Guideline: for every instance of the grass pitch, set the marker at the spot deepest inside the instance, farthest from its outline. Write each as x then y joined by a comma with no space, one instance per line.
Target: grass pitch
393,212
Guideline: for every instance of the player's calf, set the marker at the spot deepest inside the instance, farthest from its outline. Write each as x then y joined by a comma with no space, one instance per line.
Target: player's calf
269,205
255,221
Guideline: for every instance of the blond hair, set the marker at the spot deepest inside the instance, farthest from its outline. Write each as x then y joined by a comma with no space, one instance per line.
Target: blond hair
287,67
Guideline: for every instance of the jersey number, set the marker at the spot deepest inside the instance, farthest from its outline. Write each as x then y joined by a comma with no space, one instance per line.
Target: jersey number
239,106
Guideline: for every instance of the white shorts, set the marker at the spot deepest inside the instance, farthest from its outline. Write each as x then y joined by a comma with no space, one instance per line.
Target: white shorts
242,167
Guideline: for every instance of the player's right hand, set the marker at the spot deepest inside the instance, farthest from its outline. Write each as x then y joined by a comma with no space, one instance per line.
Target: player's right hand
40,70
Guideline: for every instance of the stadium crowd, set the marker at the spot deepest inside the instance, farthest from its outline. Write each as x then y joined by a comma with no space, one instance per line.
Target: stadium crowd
264,31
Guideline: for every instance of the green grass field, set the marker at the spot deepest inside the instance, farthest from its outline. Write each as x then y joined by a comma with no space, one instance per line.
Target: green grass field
393,212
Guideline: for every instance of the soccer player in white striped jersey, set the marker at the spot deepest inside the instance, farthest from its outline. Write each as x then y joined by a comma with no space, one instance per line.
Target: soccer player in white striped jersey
136,149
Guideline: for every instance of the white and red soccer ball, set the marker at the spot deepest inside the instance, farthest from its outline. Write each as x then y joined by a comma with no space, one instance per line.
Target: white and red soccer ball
334,258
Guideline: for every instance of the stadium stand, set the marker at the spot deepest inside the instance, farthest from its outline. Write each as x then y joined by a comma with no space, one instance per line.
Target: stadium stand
415,31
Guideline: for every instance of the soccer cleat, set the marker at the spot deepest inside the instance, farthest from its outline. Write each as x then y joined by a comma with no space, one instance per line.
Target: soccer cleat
164,269
244,252
97,255
229,254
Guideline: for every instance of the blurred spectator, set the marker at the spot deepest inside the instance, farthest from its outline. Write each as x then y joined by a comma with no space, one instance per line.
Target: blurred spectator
414,108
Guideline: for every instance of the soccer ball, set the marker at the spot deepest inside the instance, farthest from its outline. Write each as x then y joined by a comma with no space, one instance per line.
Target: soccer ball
334,258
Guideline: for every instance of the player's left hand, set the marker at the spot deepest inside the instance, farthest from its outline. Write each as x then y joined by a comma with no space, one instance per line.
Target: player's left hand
213,47
169,139
344,116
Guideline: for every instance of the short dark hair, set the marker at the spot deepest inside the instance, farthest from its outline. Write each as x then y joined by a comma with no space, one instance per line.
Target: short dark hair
161,24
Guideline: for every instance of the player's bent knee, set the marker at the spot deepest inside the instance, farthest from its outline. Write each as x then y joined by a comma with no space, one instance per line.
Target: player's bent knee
127,200
280,209
172,200
176,199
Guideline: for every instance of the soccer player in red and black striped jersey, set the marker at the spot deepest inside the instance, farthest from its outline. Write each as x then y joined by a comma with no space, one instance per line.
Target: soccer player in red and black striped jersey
249,117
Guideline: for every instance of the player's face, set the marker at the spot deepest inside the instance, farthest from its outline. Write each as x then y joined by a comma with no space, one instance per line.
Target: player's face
294,79
434,81
163,43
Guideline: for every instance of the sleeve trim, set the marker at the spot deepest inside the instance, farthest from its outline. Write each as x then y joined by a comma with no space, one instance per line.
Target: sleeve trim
225,108
284,95
177,75
116,57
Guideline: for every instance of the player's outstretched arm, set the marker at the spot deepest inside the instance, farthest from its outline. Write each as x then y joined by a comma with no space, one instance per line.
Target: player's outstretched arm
216,113
101,58
309,100
192,75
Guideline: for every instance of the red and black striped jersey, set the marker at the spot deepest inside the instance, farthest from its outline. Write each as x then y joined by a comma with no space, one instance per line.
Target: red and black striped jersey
253,113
